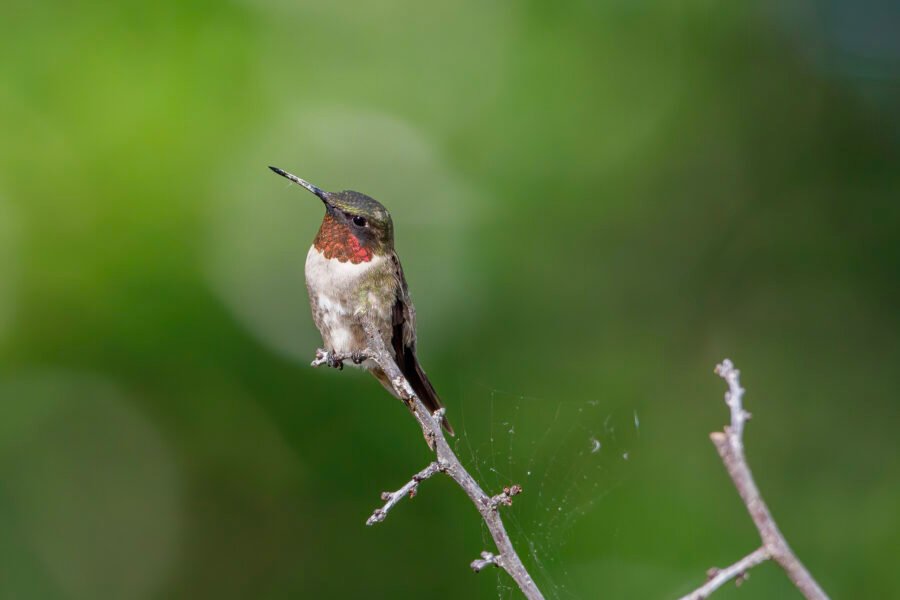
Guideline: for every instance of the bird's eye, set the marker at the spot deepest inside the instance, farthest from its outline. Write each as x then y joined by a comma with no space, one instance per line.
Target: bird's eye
359,221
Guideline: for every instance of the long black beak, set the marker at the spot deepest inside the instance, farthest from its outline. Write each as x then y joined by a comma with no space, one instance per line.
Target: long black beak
320,193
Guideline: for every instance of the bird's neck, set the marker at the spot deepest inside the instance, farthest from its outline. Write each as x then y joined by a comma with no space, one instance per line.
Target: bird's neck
336,241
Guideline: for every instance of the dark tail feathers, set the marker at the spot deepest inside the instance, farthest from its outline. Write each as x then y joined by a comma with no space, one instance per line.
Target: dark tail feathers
423,388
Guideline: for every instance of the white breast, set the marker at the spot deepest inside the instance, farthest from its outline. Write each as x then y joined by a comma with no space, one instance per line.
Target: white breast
331,286
322,272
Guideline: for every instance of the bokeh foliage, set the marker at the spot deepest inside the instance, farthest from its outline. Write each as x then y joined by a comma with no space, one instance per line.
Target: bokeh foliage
594,202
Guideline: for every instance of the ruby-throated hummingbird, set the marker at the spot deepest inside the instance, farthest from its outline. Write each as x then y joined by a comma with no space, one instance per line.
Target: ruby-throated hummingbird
352,270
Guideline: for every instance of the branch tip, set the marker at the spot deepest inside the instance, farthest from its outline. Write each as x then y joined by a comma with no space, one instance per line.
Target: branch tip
730,445
486,559
505,497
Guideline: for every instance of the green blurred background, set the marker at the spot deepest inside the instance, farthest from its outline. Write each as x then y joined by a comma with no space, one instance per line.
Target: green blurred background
595,202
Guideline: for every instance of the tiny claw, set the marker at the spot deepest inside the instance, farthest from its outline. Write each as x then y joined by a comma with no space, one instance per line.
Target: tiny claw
335,363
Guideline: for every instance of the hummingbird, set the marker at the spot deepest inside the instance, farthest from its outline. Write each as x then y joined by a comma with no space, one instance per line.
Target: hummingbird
352,271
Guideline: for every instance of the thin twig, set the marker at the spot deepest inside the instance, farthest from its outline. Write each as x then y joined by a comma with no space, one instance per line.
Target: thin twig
730,445
505,497
409,489
486,559
447,462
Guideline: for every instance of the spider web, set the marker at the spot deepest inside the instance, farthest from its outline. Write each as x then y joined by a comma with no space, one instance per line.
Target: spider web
568,455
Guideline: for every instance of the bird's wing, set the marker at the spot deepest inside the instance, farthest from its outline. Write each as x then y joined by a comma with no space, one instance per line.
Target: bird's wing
403,342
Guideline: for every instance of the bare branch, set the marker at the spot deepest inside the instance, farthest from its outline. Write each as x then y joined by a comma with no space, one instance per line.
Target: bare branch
730,445
409,489
447,462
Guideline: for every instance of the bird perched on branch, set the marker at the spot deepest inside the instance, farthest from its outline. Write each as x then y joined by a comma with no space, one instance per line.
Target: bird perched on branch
352,271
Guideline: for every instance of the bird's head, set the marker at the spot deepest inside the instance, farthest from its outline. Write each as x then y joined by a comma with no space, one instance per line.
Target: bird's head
355,228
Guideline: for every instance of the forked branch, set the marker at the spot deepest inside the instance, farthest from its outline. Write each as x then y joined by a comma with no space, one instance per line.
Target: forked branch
730,445
446,462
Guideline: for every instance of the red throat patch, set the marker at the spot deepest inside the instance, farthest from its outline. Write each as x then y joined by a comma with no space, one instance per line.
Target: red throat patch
335,240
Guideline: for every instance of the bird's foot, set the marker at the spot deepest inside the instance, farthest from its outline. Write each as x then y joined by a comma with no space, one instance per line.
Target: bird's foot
320,359
324,357
359,357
